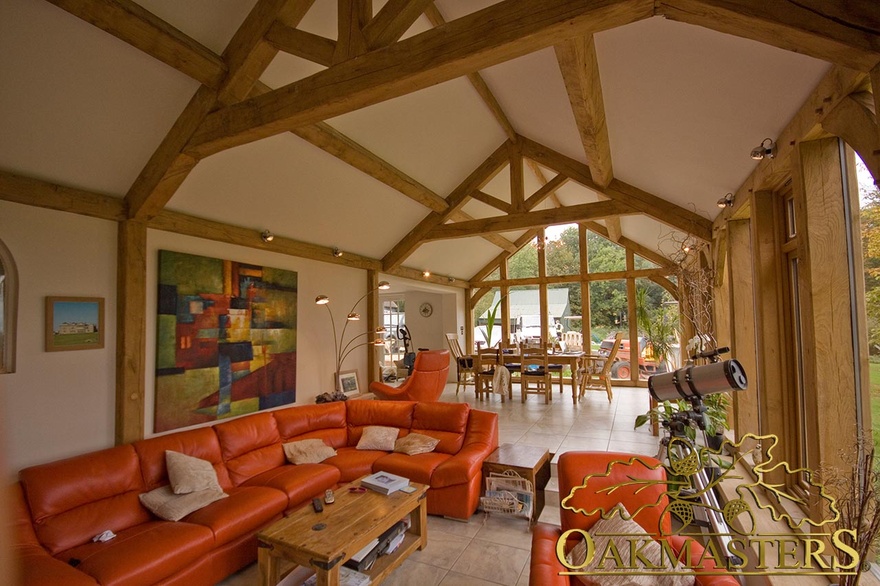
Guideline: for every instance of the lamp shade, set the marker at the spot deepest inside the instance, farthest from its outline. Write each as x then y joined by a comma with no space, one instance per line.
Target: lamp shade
322,300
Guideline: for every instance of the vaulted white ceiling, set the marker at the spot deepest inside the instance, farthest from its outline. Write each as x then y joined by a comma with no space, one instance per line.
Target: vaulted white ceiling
684,107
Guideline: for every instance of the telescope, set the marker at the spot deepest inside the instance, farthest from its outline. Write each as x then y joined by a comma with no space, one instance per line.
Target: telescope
696,382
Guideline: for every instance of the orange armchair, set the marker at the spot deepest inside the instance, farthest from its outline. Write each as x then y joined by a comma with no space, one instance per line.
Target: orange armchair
573,467
426,382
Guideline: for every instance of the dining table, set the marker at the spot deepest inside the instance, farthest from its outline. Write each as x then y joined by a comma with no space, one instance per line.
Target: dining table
571,358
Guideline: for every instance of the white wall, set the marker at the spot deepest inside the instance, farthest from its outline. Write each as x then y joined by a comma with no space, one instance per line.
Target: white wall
58,404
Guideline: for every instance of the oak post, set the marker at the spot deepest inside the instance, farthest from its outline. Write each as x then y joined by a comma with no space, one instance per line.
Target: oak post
131,296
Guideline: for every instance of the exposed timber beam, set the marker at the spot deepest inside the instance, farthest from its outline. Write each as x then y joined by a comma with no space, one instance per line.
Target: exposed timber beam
33,192
491,200
132,24
857,125
501,258
580,71
769,174
503,31
638,200
247,56
352,16
392,21
459,196
559,279
614,230
829,31
533,219
546,190
303,44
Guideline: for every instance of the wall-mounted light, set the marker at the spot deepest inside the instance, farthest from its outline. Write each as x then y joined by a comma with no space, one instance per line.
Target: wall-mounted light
426,274
450,279
767,148
267,236
726,201
336,252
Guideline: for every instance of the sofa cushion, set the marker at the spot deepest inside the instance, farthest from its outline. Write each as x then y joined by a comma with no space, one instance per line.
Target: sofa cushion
73,500
144,554
324,421
353,463
199,443
187,474
361,414
247,509
165,504
378,437
308,451
300,483
415,443
250,445
445,421
418,468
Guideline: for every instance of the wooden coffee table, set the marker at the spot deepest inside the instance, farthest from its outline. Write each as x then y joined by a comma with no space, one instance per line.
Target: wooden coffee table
324,541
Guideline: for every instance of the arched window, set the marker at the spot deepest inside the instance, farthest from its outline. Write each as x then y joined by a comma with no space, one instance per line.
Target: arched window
8,309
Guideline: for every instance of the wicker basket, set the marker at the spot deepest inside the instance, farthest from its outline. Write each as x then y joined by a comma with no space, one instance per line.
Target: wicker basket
501,502
508,493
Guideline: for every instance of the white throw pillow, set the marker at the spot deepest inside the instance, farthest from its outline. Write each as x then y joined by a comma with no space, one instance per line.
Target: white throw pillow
188,474
616,529
163,503
310,451
376,437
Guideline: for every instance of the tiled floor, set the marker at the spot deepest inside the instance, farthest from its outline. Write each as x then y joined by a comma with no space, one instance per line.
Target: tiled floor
494,549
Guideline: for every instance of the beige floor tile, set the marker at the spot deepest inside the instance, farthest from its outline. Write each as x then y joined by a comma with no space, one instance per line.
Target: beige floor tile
443,548
455,579
543,440
507,530
492,562
412,572
571,443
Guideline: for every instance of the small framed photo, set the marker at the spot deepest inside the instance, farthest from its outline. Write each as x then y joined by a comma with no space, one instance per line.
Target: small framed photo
348,382
74,323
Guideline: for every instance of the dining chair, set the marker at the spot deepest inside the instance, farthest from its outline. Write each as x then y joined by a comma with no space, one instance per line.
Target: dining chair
485,363
598,378
464,364
535,375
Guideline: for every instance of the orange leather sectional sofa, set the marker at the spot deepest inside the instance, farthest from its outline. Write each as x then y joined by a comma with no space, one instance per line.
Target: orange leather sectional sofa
59,507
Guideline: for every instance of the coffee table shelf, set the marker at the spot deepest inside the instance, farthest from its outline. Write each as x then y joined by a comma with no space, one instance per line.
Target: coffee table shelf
352,522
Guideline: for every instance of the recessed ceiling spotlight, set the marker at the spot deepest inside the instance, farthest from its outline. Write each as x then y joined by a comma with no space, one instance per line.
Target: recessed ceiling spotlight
336,252
726,201
267,236
767,148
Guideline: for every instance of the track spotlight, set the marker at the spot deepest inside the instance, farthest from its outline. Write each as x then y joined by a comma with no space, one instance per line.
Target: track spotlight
336,252
726,201
767,148
267,236
426,274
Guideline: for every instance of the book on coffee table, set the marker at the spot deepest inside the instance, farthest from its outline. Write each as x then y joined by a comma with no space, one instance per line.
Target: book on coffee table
384,482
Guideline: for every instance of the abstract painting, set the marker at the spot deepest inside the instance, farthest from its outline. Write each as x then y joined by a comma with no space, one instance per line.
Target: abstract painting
225,339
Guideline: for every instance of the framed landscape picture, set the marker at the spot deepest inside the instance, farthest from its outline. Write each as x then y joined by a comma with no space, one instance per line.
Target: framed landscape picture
348,382
74,323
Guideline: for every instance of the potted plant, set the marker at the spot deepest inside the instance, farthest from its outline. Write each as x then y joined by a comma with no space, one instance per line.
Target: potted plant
491,316
715,408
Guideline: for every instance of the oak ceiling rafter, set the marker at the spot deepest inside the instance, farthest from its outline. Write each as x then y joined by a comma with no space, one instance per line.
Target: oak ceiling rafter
638,200
247,55
29,191
498,33
533,219
793,26
852,121
459,196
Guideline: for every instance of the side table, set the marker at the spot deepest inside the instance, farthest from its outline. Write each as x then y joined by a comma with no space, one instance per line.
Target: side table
530,462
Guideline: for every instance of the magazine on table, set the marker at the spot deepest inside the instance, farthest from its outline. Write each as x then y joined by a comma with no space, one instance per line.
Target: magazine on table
385,482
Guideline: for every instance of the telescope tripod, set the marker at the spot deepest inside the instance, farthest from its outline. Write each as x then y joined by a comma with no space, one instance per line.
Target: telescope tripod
692,466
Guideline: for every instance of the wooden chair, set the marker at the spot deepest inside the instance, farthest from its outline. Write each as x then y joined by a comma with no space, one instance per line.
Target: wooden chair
535,371
485,363
598,377
464,374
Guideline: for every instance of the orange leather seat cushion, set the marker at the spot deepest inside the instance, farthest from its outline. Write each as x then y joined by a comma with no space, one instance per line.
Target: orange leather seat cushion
145,554
418,468
247,509
300,483
250,446
354,463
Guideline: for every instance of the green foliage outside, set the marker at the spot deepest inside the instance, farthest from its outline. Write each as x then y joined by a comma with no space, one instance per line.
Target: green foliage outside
870,227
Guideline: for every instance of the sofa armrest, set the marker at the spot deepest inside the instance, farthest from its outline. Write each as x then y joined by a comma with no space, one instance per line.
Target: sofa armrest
544,566
481,439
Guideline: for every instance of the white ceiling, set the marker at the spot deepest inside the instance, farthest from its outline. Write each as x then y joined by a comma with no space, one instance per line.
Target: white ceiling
684,107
